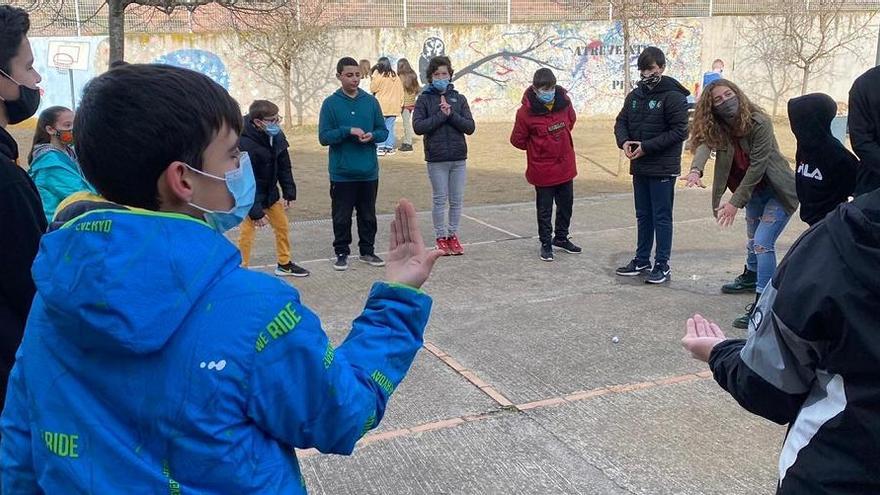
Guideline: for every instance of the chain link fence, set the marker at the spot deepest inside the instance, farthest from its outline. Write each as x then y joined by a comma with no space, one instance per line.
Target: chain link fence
89,17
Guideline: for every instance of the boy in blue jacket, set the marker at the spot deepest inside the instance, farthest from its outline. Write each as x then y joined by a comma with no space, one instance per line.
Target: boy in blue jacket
151,360
351,123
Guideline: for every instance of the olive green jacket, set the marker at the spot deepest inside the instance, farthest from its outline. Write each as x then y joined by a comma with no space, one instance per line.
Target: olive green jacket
765,161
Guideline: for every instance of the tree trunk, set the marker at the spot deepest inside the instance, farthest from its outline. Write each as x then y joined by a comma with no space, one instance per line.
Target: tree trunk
627,85
116,30
806,79
288,108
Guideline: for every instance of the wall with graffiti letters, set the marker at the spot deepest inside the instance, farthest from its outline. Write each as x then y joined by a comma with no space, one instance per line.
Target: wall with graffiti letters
493,63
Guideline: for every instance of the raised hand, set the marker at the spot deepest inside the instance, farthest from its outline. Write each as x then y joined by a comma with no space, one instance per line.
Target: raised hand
445,107
701,336
408,261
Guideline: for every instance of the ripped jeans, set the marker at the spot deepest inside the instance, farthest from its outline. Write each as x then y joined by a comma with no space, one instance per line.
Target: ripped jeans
765,220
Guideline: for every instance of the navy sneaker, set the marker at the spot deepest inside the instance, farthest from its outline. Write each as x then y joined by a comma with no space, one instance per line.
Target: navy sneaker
372,260
546,252
341,263
659,274
567,246
634,268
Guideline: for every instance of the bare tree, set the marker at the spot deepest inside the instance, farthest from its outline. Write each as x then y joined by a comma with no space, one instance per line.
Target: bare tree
288,49
765,66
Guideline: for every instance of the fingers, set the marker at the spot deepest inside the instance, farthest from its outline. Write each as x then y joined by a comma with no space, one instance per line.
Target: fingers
716,330
398,219
432,256
701,327
395,236
690,328
406,213
415,232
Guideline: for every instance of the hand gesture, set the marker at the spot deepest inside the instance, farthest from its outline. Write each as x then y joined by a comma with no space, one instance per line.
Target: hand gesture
725,214
630,148
365,137
261,222
408,261
701,336
357,131
444,106
287,204
693,179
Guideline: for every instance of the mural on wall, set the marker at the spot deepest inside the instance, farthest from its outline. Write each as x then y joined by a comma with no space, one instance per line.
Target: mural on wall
494,64
201,61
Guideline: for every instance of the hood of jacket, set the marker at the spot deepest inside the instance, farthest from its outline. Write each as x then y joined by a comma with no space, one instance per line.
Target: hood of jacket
855,231
810,116
120,280
560,102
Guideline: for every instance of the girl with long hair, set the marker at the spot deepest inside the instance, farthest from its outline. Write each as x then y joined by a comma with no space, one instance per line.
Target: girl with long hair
366,68
411,89
53,164
387,88
749,164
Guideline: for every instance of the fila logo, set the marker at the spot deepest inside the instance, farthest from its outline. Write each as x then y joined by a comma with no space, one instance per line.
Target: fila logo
804,169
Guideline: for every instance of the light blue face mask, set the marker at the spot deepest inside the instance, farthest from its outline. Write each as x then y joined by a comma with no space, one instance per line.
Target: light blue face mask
440,84
273,129
242,186
545,96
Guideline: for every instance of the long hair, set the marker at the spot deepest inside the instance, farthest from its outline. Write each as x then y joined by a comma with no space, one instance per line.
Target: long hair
713,131
48,117
383,67
364,64
408,76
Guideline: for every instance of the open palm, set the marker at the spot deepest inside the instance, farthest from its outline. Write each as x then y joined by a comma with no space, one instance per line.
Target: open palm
408,261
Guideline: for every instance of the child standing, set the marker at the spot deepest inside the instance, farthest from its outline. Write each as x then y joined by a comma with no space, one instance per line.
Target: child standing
543,128
53,165
263,139
411,90
387,88
443,116
826,171
180,368
651,129
351,123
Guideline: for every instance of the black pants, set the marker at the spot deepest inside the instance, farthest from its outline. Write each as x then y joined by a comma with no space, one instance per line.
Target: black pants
346,197
563,195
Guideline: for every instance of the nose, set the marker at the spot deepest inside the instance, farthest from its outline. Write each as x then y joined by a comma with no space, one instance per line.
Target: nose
39,77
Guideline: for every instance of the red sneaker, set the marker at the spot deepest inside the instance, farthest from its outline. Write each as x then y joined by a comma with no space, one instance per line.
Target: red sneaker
454,245
443,245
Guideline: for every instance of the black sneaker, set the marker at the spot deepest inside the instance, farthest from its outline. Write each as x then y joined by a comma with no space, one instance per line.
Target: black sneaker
745,283
634,268
341,263
406,148
659,274
372,260
291,270
389,151
743,321
546,252
567,246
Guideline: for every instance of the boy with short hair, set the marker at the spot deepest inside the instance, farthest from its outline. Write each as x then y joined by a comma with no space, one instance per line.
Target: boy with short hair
351,123
266,145
150,356
21,212
543,129
650,129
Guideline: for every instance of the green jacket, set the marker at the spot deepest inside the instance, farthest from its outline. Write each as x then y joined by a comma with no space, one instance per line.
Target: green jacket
56,176
765,161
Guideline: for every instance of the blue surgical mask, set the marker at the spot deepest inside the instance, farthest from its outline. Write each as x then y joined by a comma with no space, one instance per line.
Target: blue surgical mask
273,129
545,96
440,84
242,186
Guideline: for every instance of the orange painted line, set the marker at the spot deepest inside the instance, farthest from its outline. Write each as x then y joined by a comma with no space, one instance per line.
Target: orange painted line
437,425
555,401
468,375
497,397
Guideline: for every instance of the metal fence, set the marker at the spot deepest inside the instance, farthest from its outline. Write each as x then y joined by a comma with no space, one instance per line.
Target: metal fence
89,17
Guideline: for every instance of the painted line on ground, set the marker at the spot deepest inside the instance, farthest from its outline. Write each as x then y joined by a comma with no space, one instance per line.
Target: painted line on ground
487,224
468,375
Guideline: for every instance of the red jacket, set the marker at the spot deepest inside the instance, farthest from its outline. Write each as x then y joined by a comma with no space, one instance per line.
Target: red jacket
546,137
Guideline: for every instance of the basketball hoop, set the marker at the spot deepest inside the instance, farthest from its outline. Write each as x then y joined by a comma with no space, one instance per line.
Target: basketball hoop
62,62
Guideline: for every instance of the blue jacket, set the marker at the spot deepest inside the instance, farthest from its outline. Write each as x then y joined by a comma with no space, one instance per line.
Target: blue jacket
350,159
57,176
152,363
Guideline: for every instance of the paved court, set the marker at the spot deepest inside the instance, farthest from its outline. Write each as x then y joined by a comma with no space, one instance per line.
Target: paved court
519,387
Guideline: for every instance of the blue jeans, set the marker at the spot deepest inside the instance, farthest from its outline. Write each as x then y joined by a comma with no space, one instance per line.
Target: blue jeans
447,182
392,139
653,199
765,220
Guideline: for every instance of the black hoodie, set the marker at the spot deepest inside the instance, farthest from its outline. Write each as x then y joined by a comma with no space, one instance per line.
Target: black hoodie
826,170
658,118
864,128
271,162
812,359
23,223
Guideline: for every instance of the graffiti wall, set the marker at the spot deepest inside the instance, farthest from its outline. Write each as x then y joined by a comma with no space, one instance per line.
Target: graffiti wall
493,63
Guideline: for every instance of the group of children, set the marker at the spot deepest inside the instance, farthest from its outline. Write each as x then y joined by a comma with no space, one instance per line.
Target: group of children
153,357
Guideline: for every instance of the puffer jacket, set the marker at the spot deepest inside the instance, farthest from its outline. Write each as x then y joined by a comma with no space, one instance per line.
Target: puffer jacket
444,134
545,134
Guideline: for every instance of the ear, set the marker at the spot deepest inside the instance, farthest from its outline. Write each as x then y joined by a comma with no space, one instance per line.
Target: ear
175,185
49,130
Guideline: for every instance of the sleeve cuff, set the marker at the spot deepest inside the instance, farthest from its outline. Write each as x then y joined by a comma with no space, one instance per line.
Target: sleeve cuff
398,285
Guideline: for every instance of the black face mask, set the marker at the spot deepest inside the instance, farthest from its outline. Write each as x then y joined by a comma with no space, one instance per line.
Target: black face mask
651,81
25,106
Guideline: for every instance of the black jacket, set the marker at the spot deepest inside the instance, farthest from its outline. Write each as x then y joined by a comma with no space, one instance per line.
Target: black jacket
23,223
444,135
659,119
271,162
864,128
811,359
826,170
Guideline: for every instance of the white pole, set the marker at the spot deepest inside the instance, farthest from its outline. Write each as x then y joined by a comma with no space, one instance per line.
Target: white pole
508,11
711,8
405,24
78,22
877,62
610,12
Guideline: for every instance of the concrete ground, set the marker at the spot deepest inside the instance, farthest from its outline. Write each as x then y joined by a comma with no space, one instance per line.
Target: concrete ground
520,388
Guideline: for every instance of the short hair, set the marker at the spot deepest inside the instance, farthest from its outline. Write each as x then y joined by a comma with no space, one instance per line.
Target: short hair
14,26
346,62
543,78
717,61
117,63
260,109
650,56
437,62
135,120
